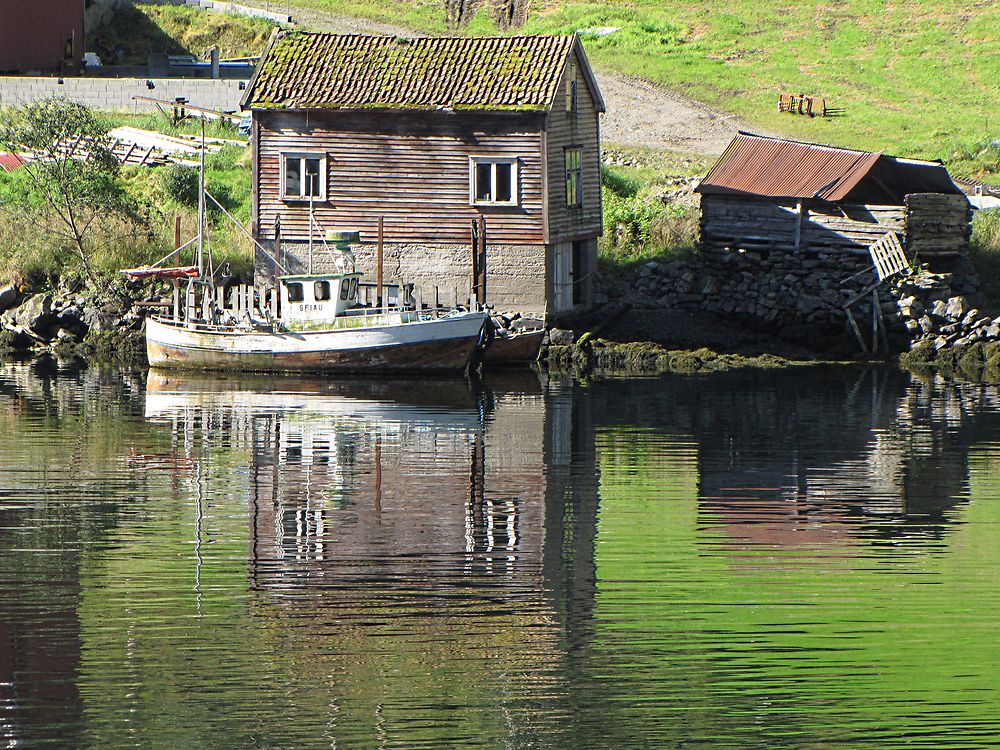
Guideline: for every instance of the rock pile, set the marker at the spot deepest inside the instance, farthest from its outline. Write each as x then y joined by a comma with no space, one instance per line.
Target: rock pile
933,315
68,318
802,297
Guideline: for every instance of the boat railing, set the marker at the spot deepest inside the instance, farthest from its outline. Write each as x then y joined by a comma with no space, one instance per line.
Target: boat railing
251,309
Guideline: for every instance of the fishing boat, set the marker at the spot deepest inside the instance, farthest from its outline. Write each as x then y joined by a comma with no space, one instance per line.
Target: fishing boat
301,322
317,327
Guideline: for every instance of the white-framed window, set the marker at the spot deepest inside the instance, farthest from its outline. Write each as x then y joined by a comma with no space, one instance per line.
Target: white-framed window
493,181
303,176
573,156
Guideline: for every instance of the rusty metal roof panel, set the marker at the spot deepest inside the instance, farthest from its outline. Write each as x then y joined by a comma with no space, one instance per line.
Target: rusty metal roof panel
778,168
304,70
10,162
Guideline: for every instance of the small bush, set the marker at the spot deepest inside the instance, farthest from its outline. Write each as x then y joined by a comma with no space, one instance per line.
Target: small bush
181,184
622,185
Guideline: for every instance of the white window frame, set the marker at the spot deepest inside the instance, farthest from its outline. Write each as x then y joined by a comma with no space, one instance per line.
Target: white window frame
302,156
515,180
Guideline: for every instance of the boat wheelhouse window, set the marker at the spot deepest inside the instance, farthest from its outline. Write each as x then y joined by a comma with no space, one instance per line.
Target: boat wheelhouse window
348,288
295,292
493,181
302,176
321,291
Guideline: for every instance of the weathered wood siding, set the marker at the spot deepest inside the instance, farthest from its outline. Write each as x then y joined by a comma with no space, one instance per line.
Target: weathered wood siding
937,224
564,129
929,224
759,224
411,169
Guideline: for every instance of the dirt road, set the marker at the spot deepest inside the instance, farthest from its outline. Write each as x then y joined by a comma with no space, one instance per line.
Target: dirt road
639,113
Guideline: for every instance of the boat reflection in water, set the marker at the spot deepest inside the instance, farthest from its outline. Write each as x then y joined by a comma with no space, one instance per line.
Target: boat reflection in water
271,561
398,526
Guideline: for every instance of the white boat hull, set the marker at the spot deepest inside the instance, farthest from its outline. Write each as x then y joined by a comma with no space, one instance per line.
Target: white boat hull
441,344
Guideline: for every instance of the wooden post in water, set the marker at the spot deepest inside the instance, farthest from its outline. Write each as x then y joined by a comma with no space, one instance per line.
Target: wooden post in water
475,258
481,266
277,247
378,279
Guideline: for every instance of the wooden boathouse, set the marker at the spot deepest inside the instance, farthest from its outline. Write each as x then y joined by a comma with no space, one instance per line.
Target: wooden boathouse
768,195
412,142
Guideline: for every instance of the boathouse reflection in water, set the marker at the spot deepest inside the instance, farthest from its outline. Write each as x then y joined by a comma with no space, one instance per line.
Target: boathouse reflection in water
420,564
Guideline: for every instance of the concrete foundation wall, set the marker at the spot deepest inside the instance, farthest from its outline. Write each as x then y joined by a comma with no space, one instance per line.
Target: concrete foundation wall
117,93
515,273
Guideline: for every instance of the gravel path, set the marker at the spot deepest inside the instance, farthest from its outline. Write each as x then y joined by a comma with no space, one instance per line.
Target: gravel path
639,113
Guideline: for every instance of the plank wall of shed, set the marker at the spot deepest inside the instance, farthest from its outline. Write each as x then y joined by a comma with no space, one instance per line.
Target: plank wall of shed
760,224
410,168
937,224
567,129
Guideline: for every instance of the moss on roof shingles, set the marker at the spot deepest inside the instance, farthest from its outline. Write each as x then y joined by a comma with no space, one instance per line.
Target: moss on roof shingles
305,70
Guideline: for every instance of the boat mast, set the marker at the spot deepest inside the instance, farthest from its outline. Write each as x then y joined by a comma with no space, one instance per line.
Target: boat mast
201,206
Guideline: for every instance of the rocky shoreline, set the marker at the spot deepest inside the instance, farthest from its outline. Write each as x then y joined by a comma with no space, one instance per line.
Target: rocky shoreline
648,325
70,319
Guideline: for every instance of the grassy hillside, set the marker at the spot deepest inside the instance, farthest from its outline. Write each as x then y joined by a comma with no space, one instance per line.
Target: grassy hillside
113,245
915,77
136,32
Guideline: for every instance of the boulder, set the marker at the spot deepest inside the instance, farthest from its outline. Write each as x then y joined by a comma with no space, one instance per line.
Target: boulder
36,316
956,308
940,310
561,337
9,297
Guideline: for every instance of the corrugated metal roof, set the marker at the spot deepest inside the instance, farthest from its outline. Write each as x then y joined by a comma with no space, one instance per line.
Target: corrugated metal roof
778,168
302,70
10,162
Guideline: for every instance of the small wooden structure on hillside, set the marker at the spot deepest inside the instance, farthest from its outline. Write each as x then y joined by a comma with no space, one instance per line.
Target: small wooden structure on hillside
771,194
412,142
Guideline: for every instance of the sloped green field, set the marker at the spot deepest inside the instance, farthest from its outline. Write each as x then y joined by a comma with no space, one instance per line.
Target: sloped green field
914,78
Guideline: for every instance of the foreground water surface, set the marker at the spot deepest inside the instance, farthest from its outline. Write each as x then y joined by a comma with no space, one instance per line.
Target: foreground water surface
789,558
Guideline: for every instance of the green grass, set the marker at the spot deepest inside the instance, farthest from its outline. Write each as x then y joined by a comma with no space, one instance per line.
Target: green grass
914,79
639,224
136,32
115,246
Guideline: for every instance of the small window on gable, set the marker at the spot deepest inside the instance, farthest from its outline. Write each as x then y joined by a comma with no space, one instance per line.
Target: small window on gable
493,181
303,176
574,176
295,292
572,89
321,291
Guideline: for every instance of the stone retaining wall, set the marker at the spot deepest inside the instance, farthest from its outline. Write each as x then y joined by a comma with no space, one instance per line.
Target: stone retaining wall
117,93
794,296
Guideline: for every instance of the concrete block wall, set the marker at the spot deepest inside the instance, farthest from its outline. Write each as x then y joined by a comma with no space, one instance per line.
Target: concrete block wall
117,93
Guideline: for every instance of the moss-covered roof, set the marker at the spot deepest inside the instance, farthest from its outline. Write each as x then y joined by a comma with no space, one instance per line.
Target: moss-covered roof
304,70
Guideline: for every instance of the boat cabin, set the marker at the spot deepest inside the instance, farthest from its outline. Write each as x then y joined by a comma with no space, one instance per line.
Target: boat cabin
314,298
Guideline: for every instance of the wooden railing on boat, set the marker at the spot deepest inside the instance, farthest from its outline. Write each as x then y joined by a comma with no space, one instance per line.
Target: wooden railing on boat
197,302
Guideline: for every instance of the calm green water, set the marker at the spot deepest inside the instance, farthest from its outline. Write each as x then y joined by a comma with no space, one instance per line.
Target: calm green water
799,558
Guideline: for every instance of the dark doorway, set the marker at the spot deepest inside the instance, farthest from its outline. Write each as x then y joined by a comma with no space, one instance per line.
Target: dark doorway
577,273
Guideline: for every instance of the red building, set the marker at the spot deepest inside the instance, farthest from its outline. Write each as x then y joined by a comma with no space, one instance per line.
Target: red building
41,35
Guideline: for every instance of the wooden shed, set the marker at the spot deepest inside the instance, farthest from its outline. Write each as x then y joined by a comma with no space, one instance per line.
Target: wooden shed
771,194
424,137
